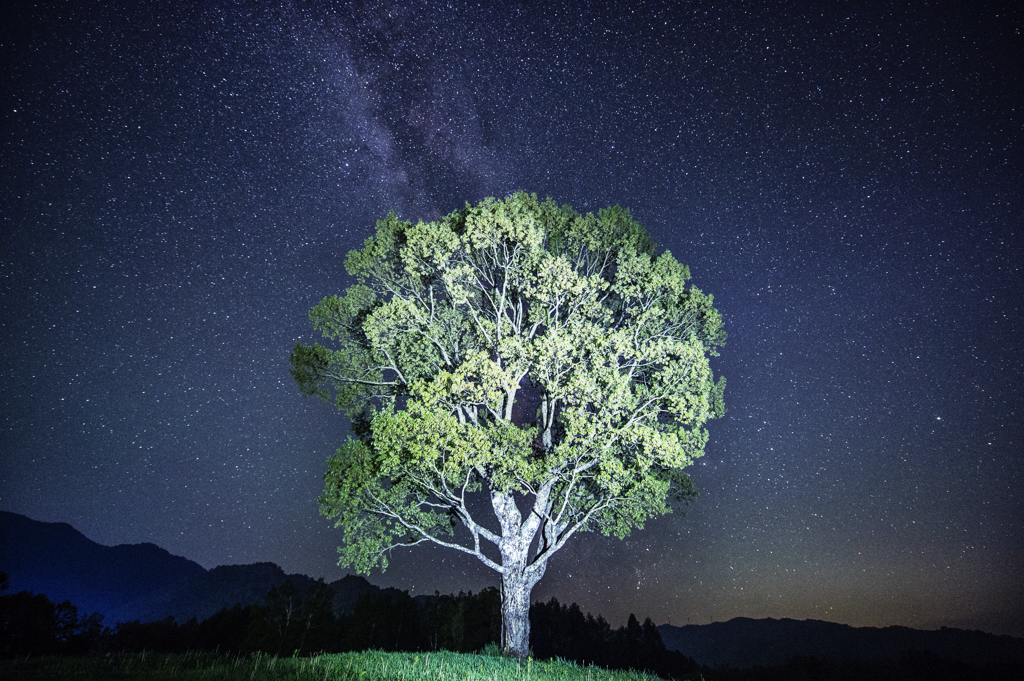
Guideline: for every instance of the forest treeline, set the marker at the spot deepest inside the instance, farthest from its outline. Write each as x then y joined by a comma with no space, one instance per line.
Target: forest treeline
291,621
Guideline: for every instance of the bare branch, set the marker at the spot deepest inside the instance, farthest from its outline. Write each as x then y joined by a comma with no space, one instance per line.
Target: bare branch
386,511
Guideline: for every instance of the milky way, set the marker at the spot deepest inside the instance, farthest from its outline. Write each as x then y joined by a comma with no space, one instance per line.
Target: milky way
182,184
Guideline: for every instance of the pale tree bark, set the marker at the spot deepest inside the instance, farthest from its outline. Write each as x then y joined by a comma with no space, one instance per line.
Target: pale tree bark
516,587
519,574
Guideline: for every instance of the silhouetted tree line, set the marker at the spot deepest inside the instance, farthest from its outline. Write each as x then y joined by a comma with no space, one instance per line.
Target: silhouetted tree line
563,631
293,621
30,624
288,621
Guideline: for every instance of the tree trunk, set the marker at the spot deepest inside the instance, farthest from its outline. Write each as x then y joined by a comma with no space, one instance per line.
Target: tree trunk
518,575
515,613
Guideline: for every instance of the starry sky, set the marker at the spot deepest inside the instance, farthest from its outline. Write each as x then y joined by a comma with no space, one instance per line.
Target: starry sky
182,181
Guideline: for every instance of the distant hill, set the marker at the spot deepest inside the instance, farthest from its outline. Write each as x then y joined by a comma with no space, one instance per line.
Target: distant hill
203,595
137,581
57,560
744,642
144,582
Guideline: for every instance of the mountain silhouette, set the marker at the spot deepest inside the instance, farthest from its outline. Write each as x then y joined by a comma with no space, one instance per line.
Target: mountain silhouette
203,595
57,560
744,642
137,581
146,583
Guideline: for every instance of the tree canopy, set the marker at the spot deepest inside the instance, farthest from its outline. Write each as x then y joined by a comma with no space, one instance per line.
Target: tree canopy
555,362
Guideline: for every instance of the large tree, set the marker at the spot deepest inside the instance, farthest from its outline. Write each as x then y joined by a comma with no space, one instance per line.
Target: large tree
514,358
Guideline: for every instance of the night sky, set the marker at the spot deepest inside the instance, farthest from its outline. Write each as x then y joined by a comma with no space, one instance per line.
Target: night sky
182,181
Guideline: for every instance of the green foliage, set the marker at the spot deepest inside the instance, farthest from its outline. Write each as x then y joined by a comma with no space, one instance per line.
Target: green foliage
517,347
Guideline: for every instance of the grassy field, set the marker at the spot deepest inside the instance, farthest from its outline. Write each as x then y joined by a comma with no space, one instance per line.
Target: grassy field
364,666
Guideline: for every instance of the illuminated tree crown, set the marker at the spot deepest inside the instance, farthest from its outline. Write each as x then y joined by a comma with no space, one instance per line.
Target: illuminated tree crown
515,349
